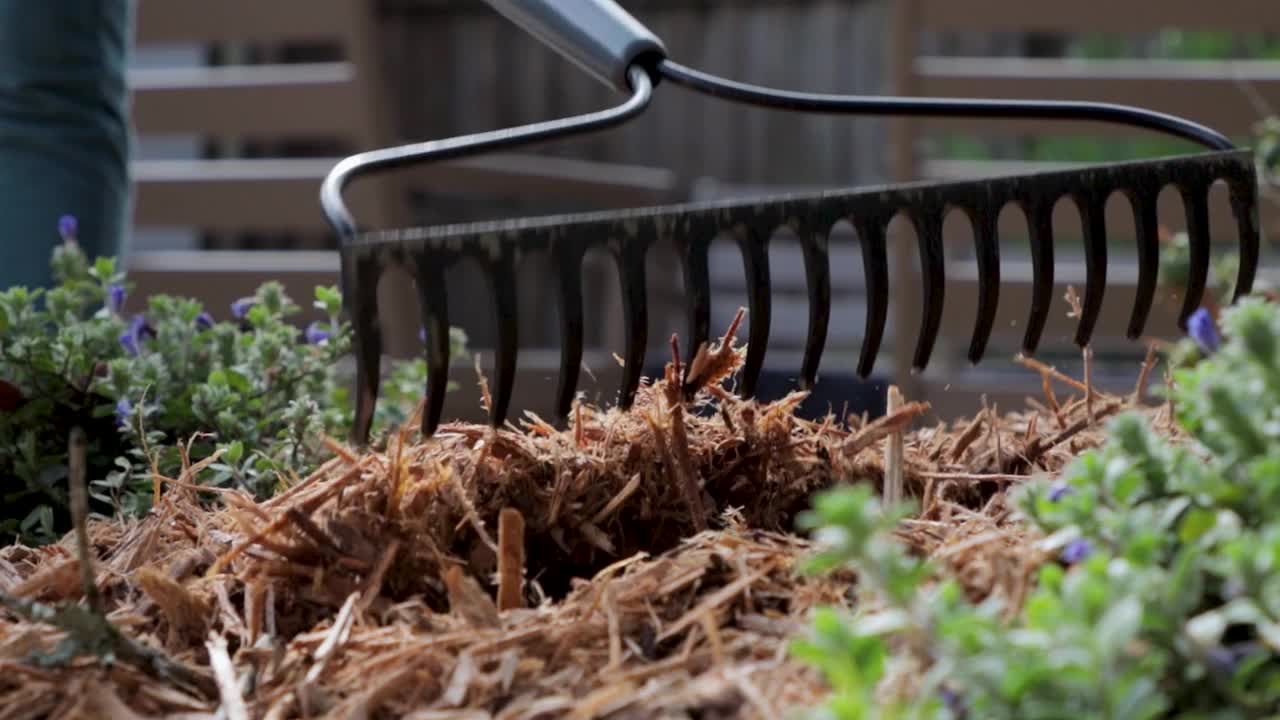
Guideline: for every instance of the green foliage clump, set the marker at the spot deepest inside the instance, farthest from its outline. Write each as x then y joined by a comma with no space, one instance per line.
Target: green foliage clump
146,386
1164,601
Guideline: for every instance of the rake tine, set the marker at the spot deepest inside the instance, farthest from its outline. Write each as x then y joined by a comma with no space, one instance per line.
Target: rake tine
755,262
631,272
1195,198
1244,195
366,338
875,264
817,271
928,225
987,250
1040,229
571,330
1093,216
697,286
435,320
502,279
1147,223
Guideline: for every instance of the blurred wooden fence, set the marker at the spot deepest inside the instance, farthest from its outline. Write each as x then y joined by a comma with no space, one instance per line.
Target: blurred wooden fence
439,68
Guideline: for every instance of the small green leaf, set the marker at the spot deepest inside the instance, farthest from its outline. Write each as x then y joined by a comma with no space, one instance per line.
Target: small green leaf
234,452
1206,628
257,315
1120,624
104,268
1195,524
238,381
41,518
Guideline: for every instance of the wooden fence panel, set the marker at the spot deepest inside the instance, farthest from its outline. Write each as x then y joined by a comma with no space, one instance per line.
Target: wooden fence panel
467,70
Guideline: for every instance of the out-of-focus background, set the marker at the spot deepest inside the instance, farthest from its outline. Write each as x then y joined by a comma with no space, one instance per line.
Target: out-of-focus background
242,106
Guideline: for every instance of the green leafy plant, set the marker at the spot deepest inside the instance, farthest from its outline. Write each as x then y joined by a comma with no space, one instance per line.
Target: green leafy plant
1163,602
148,386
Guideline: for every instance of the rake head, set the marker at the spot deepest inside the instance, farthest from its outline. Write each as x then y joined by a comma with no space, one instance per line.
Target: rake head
624,54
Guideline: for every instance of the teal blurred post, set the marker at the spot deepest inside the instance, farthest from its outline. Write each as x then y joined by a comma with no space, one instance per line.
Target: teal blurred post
65,138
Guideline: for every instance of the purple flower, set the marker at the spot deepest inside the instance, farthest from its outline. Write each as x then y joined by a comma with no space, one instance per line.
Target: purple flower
129,342
68,227
131,339
204,321
1225,661
115,298
123,409
1201,327
953,701
1059,490
316,333
1076,551
422,335
141,327
240,308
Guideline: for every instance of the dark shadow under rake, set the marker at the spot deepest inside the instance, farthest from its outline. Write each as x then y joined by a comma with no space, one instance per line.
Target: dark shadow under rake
603,39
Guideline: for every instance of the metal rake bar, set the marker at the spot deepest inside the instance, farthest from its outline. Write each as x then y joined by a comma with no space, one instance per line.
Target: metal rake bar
428,253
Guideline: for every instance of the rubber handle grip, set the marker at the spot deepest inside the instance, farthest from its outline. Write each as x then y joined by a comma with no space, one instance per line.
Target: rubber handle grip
596,35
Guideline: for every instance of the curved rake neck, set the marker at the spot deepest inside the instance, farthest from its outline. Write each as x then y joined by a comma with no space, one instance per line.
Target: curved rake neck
642,84
940,107
339,215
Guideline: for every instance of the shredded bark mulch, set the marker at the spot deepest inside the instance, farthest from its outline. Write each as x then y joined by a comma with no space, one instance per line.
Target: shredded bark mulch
638,564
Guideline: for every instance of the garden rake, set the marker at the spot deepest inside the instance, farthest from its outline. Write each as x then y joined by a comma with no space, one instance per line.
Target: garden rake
603,39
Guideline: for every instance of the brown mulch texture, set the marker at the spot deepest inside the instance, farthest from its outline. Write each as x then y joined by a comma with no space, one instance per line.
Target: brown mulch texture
638,564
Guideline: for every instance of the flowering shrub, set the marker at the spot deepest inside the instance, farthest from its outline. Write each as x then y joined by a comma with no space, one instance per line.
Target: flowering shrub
146,385
1166,599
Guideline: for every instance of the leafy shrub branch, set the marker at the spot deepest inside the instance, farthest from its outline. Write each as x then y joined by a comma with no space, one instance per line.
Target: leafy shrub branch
1164,602
253,385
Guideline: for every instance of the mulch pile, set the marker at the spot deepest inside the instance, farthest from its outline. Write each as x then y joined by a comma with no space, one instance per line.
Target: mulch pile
638,564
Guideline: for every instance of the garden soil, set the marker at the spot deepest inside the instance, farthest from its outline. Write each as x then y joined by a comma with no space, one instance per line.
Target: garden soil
638,564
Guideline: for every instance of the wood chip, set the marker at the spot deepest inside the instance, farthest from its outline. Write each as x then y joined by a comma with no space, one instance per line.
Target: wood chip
893,458
510,559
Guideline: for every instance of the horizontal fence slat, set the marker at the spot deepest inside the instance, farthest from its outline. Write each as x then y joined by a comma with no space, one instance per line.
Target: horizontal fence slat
1097,16
219,278
277,193
317,99
229,195
1209,92
214,21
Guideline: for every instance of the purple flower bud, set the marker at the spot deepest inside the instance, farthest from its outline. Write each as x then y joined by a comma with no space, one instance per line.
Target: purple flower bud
123,409
68,226
240,308
953,701
1201,327
1059,490
1224,661
115,298
422,335
139,329
1076,551
316,333
204,321
129,342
